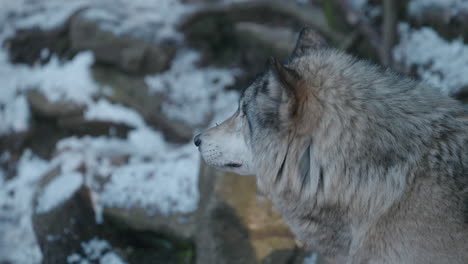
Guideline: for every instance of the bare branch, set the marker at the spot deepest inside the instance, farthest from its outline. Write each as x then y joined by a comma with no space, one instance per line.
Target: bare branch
389,31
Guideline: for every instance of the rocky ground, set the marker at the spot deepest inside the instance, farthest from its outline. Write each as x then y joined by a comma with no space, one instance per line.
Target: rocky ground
100,99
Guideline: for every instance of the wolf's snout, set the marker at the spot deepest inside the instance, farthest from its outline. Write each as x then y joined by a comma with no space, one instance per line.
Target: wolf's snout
197,140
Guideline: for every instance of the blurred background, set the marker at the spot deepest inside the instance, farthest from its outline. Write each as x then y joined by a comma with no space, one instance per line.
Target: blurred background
99,101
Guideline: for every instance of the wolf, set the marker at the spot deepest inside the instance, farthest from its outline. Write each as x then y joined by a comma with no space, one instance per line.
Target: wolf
364,165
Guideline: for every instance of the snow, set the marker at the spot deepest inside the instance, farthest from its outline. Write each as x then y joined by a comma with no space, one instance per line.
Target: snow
69,82
189,89
450,8
14,111
18,243
58,191
441,63
95,249
158,176
111,258
104,110
14,115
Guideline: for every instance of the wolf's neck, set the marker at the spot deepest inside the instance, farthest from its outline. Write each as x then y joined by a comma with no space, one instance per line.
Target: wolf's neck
416,229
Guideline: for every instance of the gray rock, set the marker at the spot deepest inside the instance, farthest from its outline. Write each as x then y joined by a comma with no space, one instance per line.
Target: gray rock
180,226
77,125
14,142
449,21
280,39
68,117
41,106
55,40
129,54
61,231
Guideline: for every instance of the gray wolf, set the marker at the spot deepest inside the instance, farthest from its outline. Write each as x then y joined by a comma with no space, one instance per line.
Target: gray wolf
364,165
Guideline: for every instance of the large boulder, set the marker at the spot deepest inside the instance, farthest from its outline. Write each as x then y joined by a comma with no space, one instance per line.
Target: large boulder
127,53
61,231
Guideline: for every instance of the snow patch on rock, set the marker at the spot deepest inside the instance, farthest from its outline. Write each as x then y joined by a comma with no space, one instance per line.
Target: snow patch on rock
106,111
441,63
95,250
70,82
58,191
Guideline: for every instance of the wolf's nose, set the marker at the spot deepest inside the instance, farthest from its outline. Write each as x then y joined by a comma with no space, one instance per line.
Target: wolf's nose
197,140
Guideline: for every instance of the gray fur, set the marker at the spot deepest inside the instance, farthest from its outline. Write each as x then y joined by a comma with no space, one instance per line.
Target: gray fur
365,166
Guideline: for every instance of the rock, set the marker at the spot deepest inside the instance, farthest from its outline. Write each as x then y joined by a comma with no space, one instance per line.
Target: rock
222,238
245,34
129,54
41,106
448,19
181,226
212,28
61,231
462,95
33,45
77,125
14,142
66,118
272,13
261,232
141,245
280,39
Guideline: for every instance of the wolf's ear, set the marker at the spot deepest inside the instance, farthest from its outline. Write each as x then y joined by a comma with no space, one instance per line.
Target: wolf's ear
308,40
287,77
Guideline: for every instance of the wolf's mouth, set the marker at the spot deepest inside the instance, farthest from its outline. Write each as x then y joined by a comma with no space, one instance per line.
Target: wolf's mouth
233,165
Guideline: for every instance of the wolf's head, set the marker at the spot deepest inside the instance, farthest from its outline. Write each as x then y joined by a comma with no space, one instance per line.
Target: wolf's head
266,108
323,124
